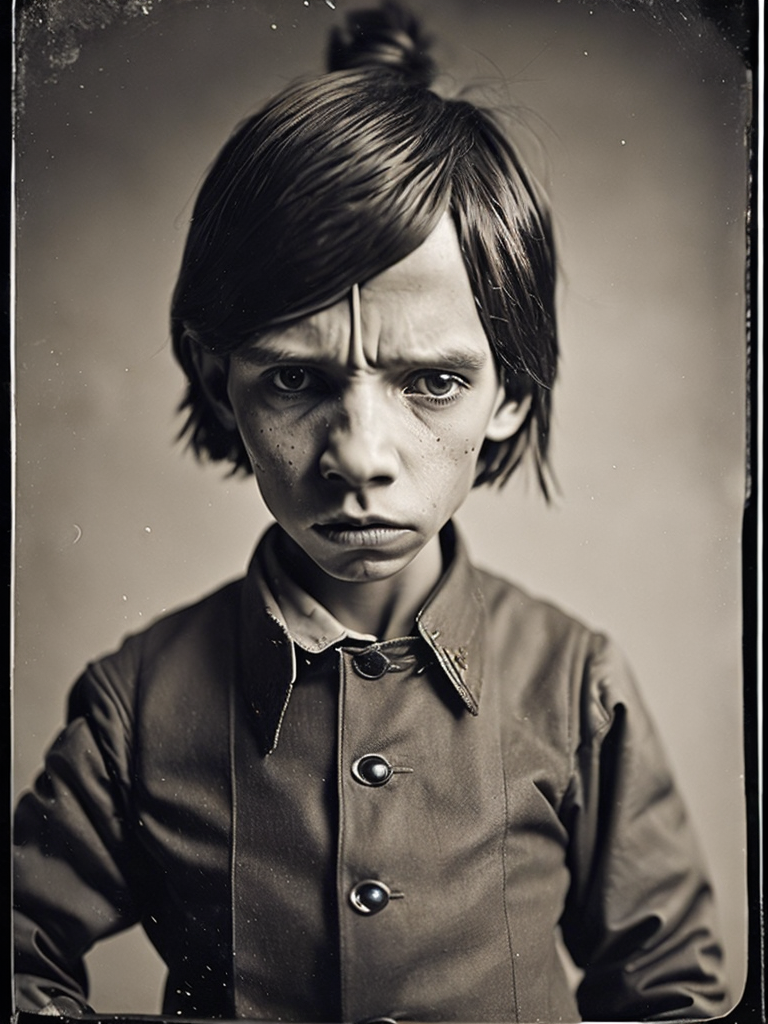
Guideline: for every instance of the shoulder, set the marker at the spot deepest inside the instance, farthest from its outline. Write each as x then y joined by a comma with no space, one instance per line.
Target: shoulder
518,617
199,624
549,658
166,660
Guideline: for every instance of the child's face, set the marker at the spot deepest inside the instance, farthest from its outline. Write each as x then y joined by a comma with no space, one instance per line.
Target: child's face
364,422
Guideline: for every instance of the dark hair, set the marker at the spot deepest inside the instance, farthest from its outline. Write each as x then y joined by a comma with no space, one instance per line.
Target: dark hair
336,179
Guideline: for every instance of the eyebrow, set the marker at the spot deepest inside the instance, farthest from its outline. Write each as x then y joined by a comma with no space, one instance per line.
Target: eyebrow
261,354
265,353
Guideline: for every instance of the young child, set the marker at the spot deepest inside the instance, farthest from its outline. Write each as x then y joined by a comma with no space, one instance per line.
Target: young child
368,781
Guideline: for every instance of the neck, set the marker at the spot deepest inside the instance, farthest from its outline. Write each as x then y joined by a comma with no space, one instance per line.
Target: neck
384,608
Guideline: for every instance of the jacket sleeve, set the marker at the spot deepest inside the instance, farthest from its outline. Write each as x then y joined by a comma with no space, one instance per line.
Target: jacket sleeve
639,919
75,869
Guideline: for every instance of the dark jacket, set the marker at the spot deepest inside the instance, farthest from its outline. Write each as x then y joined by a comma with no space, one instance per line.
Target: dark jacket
209,785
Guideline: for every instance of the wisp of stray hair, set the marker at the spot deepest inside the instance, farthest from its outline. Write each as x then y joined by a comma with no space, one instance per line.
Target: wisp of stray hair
336,179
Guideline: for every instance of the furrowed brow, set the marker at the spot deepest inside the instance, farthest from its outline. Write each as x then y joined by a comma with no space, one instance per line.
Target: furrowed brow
447,359
266,354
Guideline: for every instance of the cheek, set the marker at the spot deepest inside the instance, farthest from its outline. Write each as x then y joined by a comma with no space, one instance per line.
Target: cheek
446,469
273,450
275,464
462,445
278,474
454,445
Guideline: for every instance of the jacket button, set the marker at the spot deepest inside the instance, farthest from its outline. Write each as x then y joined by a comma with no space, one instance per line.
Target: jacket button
372,770
370,664
369,897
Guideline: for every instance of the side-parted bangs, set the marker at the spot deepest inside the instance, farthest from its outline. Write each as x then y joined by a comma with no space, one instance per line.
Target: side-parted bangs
337,179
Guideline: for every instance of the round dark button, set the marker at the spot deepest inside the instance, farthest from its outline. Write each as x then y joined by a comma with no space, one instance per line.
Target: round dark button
369,897
370,664
372,770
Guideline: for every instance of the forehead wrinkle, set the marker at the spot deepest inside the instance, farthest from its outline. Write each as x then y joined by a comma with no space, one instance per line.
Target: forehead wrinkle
284,347
440,359
419,341
314,339
357,358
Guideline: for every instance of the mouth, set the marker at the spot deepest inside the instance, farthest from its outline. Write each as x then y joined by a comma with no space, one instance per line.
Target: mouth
367,532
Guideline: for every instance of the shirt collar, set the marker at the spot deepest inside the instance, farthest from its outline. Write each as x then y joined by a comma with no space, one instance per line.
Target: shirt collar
451,623
305,621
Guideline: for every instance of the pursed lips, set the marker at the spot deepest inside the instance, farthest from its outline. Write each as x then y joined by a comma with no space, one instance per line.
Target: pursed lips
342,522
369,530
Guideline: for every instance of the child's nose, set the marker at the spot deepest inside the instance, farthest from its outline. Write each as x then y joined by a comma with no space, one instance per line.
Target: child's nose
360,447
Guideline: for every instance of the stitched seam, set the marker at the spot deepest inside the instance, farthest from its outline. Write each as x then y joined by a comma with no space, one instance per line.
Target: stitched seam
100,676
504,884
287,697
340,840
594,734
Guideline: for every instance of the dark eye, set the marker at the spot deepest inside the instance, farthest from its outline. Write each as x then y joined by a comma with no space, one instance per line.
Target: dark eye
436,385
291,378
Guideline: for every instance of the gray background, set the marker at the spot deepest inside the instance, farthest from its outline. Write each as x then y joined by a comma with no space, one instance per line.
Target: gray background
637,129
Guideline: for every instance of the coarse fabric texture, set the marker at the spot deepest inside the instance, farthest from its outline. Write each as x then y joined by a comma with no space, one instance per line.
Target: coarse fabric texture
208,784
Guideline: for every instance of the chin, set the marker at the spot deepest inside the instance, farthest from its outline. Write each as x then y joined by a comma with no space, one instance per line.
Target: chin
365,568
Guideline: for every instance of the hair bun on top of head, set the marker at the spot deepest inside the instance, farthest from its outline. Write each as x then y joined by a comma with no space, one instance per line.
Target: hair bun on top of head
387,36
